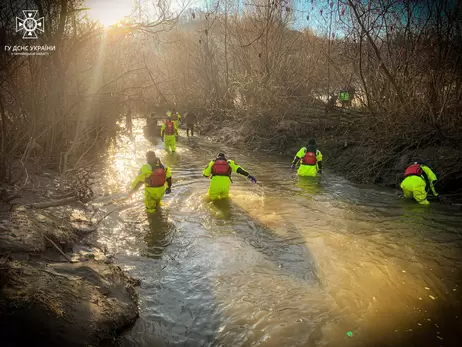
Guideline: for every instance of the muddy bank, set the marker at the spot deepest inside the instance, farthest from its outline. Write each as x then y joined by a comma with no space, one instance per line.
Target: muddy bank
61,290
358,146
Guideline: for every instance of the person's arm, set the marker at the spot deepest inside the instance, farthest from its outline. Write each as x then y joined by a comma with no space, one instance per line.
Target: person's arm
138,181
168,179
241,171
208,170
237,169
162,129
319,160
431,178
298,156
135,187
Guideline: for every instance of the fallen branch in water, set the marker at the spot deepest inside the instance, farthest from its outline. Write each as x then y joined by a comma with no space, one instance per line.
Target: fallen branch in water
106,215
59,249
124,197
54,203
92,245
12,197
56,274
62,196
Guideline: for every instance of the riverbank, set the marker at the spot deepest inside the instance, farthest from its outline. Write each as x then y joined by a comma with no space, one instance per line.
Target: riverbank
361,147
54,285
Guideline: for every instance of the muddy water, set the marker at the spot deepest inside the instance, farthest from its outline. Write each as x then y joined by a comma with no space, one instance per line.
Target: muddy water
282,263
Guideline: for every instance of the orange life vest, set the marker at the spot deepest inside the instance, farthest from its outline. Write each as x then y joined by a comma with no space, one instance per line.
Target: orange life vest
309,158
221,168
157,178
413,170
169,127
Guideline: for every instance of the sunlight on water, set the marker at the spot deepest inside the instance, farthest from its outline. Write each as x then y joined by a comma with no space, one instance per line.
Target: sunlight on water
282,263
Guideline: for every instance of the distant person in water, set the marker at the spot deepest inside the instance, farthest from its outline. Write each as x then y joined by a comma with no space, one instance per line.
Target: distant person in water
175,116
168,134
418,179
157,180
190,121
310,160
151,125
219,170
128,122
331,103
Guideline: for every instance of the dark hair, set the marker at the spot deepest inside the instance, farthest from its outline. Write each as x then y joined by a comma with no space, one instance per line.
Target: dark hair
422,162
151,155
312,142
220,155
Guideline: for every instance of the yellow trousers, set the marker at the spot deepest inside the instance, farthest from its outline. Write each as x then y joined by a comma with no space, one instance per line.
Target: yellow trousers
219,187
170,143
153,197
414,187
307,170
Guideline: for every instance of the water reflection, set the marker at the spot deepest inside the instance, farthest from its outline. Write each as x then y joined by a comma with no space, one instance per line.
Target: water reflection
171,159
284,263
221,209
159,235
310,185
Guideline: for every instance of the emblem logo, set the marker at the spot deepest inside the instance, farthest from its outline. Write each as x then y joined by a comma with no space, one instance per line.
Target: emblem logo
29,24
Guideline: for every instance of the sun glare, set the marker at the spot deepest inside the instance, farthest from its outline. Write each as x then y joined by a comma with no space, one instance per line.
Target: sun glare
108,12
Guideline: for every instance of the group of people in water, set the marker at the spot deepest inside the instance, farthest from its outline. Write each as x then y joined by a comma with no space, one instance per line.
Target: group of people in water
170,126
157,179
418,180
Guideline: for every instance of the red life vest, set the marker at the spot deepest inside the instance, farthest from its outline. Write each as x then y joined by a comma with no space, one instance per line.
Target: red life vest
157,178
413,170
169,127
221,168
309,158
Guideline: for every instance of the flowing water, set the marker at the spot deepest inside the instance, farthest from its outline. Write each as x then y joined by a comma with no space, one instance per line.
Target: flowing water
281,263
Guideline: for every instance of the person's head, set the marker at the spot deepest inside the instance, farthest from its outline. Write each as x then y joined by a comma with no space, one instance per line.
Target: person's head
151,157
312,142
420,161
220,155
174,110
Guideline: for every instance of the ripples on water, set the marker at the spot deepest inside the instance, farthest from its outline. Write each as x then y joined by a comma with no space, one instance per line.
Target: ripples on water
283,263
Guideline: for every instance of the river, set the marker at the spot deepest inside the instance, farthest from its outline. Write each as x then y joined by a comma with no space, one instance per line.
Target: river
282,263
